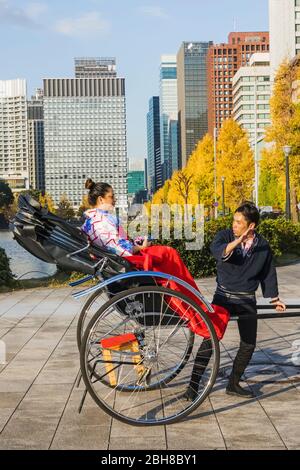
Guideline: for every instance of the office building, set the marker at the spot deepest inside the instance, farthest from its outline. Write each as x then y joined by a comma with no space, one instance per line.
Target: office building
85,136
284,19
192,96
36,150
168,115
153,145
14,168
224,60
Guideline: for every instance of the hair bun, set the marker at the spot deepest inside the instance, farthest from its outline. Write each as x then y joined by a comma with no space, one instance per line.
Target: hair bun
89,184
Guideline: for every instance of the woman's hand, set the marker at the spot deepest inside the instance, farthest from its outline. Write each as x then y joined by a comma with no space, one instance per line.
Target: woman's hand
146,243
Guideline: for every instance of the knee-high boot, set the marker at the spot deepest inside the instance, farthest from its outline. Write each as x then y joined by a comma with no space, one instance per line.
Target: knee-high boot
201,361
240,363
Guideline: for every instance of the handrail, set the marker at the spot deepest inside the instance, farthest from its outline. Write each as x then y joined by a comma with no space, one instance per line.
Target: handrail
130,275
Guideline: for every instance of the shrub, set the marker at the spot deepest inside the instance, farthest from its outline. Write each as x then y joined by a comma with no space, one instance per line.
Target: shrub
283,236
6,276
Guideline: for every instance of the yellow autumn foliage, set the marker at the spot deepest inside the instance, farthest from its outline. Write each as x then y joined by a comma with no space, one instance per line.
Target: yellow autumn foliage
235,162
285,130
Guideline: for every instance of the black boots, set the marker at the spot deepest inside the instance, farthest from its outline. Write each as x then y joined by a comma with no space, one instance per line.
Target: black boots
202,359
240,363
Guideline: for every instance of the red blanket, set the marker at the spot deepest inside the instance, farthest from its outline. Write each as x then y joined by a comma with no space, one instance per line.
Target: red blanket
166,259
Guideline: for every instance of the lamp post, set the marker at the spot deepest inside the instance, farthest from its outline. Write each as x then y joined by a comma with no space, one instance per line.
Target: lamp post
287,150
223,195
215,172
255,144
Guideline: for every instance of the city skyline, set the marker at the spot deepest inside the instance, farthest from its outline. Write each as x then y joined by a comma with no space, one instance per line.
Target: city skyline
93,28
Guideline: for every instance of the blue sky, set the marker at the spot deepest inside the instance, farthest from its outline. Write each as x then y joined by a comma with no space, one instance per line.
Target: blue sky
40,39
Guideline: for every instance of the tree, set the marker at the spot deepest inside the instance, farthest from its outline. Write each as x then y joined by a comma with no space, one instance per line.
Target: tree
272,179
35,193
83,207
235,162
6,195
183,182
201,167
285,130
65,210
47,201
161,196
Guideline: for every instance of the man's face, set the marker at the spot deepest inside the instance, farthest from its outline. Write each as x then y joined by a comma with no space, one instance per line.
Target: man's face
240,224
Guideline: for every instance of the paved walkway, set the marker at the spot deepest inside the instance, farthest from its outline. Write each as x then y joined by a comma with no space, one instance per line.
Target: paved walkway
38,398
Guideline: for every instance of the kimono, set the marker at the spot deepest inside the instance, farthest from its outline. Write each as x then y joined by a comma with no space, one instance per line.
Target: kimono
103,229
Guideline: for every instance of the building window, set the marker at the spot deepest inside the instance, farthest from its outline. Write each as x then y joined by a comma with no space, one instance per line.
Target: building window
297,15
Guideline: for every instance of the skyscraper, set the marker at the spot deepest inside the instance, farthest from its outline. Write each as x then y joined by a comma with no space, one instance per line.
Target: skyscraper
36,151
168,115
85,136
14,134
192,96
153,144
224,60
284,19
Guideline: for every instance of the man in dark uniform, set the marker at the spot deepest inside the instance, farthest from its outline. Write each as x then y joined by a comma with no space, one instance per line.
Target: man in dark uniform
244,260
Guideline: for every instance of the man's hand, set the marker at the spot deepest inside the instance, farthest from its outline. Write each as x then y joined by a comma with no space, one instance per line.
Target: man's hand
248,234
280,306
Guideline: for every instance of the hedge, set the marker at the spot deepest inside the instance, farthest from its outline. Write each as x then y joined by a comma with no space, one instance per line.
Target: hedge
6,276
282,235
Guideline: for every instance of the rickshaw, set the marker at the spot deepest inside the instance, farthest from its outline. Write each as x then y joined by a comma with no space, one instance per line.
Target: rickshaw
137,354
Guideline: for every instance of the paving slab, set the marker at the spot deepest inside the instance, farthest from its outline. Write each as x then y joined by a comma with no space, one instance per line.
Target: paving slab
39,398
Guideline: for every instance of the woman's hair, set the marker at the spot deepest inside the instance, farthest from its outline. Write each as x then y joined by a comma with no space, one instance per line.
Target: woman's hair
96,190
250,212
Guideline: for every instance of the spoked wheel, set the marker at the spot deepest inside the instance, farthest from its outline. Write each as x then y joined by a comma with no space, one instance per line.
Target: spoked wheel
139,342
91,306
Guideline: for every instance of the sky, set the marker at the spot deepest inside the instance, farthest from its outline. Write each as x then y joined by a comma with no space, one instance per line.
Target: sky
40,39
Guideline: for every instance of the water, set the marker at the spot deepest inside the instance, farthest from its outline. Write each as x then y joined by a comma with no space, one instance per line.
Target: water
23,263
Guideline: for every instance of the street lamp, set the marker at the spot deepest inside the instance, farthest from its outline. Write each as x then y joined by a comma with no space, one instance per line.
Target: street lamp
287,150
223,195
215,172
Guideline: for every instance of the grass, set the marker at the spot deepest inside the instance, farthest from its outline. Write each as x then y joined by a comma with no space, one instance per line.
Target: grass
58,280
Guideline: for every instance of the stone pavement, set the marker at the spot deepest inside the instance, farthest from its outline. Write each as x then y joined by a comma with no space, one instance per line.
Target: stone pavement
39,400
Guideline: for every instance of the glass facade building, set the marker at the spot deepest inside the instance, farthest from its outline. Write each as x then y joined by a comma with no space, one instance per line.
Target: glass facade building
14,168
153,145
168,115
36,153
136,182
192,96
85,136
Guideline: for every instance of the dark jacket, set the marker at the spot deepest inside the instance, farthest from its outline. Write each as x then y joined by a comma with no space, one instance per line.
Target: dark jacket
238,273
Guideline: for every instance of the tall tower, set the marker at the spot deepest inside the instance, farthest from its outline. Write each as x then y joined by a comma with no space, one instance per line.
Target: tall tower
153,143
224,60
14,167
85,135
284,19
192,96
36,151
168,115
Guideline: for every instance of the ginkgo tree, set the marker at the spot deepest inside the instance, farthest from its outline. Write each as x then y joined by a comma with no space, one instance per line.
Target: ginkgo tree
284,130
235,162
